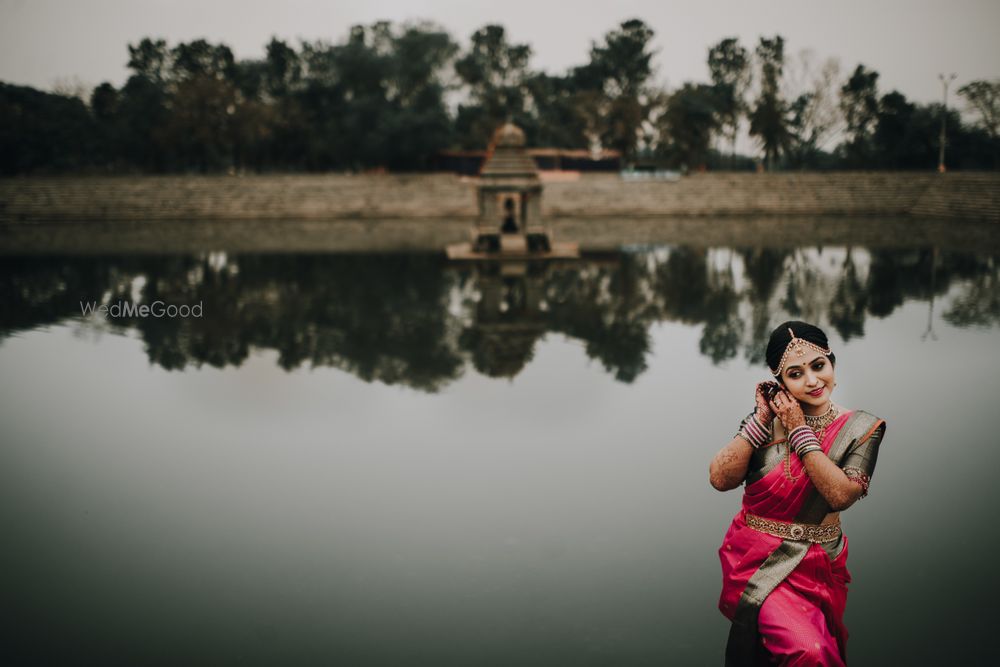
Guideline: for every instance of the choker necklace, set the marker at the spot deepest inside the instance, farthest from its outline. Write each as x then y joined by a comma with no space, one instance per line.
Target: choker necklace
819,423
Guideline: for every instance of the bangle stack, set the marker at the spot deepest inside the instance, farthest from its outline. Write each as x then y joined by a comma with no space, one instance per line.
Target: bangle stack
754,432
803,440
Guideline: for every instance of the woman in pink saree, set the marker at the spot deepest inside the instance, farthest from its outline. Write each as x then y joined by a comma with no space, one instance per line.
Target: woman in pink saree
803,459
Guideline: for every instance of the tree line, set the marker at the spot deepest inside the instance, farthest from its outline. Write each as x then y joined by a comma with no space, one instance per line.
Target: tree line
393,96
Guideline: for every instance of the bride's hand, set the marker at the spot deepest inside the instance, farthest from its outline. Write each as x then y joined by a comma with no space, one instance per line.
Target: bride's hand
764,413
788,410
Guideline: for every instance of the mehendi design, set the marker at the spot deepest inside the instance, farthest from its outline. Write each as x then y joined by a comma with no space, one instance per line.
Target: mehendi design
763,394
788,410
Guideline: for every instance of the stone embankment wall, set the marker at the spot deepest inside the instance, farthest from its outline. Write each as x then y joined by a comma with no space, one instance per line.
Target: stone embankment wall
956,195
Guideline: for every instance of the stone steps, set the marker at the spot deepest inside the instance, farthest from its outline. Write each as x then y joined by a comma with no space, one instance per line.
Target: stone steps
973,195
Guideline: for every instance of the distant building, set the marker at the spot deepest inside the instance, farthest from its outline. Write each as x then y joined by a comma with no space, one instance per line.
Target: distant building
469,163
510,197
509,194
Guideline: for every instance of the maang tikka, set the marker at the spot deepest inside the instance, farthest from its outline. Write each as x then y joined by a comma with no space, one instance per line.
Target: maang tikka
796,346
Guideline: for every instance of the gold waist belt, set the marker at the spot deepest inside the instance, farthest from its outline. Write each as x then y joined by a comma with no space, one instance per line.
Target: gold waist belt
808,532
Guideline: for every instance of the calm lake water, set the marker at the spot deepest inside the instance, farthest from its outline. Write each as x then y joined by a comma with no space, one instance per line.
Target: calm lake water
388,460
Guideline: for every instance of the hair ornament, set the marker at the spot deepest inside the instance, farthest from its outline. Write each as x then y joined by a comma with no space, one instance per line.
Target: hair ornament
796,347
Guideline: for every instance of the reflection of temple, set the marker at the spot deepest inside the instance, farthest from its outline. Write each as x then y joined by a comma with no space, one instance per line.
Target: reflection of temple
510,317
510,206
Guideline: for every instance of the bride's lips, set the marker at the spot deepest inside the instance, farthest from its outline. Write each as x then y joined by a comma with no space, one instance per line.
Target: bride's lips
817,393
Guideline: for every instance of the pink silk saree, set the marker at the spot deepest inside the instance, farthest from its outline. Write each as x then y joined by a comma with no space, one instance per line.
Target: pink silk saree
786,598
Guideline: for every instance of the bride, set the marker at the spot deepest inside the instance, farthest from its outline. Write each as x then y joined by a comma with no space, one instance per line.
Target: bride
803,459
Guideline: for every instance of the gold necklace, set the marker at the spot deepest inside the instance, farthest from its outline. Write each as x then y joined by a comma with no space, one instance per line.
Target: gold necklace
818,424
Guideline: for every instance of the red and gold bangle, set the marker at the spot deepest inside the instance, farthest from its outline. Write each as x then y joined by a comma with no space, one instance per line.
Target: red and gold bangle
802,439
754,432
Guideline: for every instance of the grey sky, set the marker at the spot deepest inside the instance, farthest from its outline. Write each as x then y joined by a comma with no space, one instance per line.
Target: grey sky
907,42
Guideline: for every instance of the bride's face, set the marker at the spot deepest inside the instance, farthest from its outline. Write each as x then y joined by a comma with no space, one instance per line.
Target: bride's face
810,383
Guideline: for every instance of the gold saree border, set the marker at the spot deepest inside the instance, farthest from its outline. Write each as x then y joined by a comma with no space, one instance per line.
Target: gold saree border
763,461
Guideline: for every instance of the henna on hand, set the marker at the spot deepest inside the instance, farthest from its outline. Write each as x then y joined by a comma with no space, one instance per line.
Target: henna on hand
762,394
788,410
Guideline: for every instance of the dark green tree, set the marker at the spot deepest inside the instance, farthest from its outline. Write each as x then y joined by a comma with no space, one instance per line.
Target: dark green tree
687,124
321,104
495,72
859,102
150,59
419,126
555,112
201,128
142,108
622,66
43,132
104,102
802,149
376,101
893,135
768,118
363,69
190,60
729,66
287,139
282,70
984,98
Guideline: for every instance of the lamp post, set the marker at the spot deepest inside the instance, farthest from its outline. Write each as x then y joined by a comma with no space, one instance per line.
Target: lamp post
944,118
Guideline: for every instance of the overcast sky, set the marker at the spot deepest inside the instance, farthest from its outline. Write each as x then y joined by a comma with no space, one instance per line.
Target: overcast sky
44,42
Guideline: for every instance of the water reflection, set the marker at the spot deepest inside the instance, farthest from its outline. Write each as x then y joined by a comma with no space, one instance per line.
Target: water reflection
418,321
255,516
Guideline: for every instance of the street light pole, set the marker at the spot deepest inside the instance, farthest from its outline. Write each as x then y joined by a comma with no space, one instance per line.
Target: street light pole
944,118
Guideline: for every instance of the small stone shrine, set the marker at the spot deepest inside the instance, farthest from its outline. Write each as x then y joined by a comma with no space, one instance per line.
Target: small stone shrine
510,206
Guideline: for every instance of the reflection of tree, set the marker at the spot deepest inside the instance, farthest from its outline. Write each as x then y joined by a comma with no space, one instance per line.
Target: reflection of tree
915,274
608,307
763,268
682,281
885,283
41,290
173,343
404,319
807,286
847,308
723,327
979,302
380,318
